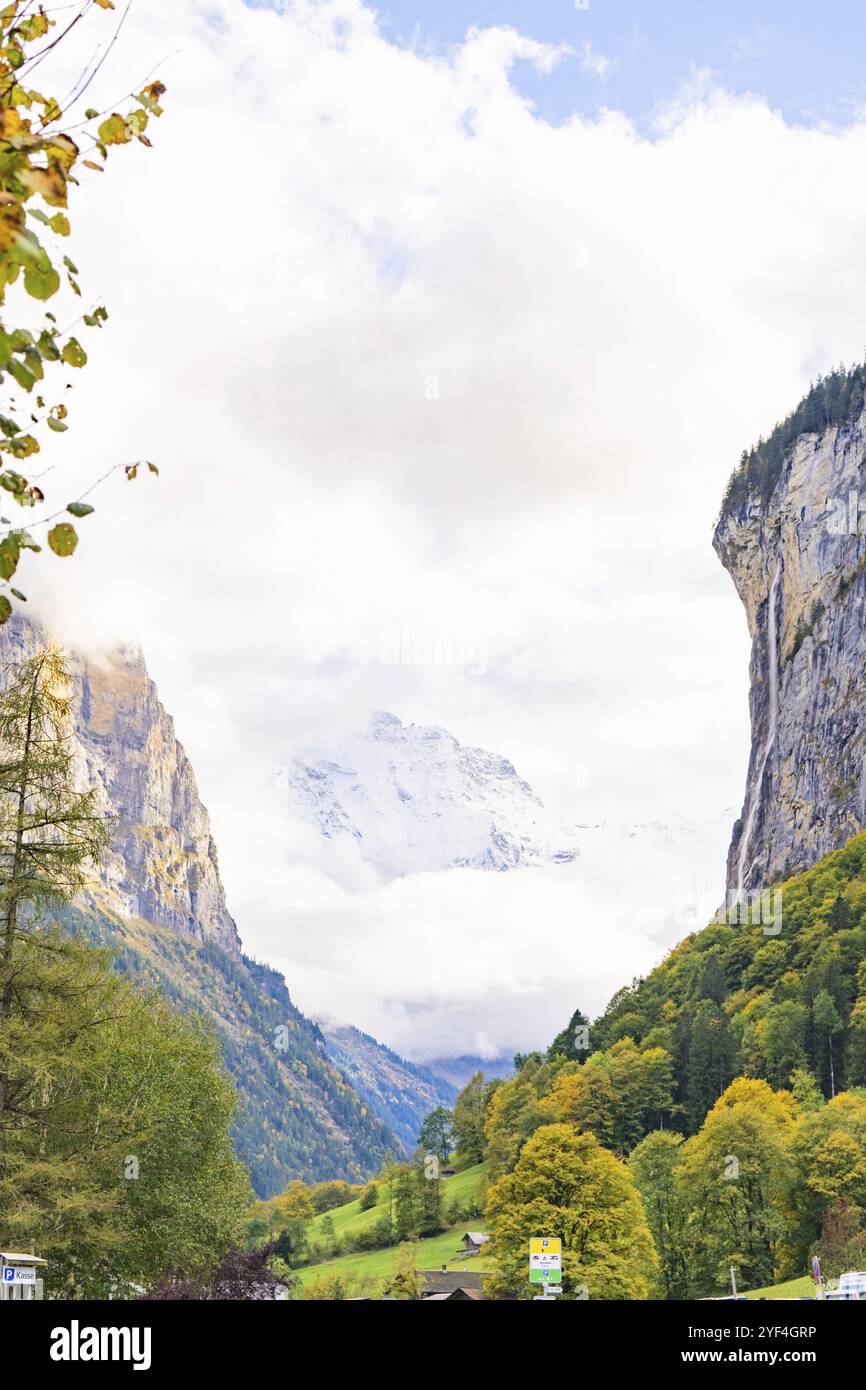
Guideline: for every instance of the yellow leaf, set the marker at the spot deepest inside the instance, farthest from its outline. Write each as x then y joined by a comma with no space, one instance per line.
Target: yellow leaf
105,4
11,224
62,150
114,131
49,182
10,122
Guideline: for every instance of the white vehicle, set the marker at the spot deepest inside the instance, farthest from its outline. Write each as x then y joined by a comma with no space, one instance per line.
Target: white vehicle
851,1286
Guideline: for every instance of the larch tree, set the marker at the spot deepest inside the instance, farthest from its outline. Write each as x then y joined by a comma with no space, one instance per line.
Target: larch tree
51,836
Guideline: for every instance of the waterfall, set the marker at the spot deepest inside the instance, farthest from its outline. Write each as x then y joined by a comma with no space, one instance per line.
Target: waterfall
773,719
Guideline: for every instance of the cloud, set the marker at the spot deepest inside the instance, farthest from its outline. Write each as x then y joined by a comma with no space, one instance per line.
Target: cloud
595,63
409,356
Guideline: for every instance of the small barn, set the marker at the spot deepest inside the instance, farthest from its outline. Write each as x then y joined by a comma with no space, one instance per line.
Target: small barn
472,1242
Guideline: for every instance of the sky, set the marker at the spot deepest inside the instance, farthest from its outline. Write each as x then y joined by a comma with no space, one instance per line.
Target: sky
443,322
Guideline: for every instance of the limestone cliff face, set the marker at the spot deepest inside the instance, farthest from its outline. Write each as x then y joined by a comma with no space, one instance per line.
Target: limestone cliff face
163,863
798,561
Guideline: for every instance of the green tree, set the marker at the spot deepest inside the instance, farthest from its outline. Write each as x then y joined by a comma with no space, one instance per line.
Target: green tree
584,1097
567,1185
369,1197
128,1171
781,1038
655,1166
732,1181
828,1168
429,1203
709,1065
569,1044
514,1113
467,1120
406,1206
435,1133
805,1089
115,1156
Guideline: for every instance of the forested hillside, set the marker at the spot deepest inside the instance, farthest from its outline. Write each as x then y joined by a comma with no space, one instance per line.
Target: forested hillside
728,1089
298,1116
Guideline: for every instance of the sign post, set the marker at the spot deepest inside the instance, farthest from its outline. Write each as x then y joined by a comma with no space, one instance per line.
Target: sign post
545,1266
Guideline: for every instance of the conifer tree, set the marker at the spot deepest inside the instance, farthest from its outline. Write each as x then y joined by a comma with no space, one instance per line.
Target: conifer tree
50,836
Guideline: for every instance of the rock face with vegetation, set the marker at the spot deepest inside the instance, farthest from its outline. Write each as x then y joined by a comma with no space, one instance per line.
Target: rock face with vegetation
160,904
791,535
163,862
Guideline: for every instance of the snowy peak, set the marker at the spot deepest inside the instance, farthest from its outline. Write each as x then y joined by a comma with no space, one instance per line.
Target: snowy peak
410,798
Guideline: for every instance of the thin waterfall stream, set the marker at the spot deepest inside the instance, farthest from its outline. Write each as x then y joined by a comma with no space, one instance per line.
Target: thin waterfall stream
773,674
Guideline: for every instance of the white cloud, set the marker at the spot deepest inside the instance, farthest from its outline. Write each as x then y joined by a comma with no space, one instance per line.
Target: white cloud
407,354
595,63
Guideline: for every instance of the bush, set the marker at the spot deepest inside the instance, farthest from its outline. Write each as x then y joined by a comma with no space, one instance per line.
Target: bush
376,1237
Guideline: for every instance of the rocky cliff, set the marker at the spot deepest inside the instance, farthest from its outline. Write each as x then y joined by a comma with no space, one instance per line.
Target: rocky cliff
163,861
791,535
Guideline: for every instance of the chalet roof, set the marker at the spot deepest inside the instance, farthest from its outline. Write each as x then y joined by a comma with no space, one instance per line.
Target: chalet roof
477,1237
445,1281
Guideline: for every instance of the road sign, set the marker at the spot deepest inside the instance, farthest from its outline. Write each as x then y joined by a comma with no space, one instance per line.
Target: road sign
545,1260
545,1245
13,1274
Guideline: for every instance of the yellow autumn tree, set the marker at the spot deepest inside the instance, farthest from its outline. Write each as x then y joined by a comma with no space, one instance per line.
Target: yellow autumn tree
565,1184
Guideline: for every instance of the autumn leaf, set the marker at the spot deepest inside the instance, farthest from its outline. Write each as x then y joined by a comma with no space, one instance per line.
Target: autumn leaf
79,509
62,538
10,552
73,354
50,183
114,131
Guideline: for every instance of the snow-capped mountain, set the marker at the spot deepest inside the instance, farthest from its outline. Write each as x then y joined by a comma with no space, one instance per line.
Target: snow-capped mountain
410,798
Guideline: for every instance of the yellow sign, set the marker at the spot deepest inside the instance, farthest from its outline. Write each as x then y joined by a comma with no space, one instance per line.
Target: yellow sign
545,1245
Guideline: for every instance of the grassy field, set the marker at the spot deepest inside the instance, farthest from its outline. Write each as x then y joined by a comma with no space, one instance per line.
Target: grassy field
795,1288
350,1219
376,1265
431,1253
